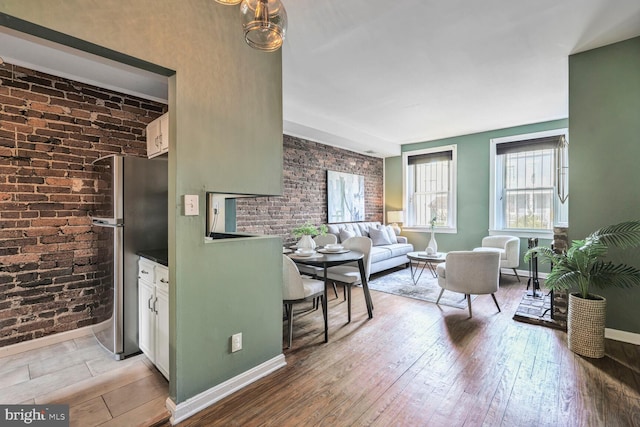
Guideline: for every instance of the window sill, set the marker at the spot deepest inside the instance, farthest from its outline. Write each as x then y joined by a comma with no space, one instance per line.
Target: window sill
415,229
540,234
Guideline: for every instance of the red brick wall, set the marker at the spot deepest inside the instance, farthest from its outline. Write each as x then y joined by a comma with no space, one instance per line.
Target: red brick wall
305,189
51,129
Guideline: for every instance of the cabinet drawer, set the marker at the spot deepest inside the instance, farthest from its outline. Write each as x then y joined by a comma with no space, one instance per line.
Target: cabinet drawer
162,278
145,270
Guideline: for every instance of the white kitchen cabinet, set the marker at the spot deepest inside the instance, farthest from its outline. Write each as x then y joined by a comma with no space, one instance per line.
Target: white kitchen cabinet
153,313
158,136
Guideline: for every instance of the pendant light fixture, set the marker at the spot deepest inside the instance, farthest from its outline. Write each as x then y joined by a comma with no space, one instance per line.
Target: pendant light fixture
264,23
229,2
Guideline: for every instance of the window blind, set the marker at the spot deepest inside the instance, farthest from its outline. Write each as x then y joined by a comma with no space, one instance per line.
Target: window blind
439,156
545,143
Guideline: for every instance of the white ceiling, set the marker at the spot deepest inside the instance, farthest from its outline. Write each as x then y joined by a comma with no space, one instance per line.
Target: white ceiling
370,75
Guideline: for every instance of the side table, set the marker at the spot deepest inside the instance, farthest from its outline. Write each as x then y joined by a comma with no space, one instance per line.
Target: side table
422,260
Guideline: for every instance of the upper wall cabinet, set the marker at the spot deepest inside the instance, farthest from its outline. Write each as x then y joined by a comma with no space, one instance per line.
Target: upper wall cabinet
158,136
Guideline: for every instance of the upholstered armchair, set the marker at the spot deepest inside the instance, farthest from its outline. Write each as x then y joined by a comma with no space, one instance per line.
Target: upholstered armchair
297,289
507,246
470,272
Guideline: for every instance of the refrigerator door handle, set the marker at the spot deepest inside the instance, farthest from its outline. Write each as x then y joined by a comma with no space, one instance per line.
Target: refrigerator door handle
149,303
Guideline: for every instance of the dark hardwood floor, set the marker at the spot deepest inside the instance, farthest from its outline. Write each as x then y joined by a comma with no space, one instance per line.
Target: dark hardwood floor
418,364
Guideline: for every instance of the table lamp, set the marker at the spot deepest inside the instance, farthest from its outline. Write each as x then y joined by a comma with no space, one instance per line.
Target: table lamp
394,217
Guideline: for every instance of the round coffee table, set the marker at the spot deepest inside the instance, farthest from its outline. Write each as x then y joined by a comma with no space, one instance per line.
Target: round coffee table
423,260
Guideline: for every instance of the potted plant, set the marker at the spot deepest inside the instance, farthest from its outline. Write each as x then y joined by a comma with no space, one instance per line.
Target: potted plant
582,267
305,233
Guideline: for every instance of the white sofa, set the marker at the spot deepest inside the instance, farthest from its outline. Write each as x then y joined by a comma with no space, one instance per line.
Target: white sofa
383,256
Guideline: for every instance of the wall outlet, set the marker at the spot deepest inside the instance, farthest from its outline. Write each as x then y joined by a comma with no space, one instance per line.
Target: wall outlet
236,342
191,204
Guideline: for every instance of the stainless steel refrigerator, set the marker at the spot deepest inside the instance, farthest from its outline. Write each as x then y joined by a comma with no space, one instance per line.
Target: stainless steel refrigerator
130,216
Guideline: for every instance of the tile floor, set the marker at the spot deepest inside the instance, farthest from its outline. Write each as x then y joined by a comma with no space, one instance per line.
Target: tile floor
100,391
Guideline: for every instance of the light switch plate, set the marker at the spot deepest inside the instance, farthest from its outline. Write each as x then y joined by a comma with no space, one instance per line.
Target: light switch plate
191,204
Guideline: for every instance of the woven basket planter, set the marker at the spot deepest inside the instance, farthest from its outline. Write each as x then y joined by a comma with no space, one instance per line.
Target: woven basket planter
585,325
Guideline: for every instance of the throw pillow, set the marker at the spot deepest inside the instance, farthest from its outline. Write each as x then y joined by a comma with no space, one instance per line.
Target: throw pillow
379,236
345,234
392,234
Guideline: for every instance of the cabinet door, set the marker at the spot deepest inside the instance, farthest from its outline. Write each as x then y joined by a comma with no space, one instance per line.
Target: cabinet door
154,143
162,332
164,133
146,319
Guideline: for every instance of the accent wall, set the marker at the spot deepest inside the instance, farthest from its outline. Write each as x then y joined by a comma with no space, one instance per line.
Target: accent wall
604,176
472,190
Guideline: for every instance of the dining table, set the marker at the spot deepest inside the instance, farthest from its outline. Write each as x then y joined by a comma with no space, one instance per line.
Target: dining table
326,260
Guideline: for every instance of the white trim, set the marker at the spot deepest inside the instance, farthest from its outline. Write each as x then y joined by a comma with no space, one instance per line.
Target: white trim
33,344
624,336
197,403
524,274
493,142
453,215
540,234
437,230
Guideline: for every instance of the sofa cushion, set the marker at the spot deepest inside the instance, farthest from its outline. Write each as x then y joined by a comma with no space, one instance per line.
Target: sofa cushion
380,253
393,238
379,236
345,234
398,249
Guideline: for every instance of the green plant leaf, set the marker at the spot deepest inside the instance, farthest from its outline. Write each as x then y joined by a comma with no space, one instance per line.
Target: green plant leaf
608,275
623,235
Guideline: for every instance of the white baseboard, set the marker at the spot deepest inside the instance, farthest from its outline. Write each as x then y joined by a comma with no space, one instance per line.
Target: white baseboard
624,336
33,344
524,274
197,403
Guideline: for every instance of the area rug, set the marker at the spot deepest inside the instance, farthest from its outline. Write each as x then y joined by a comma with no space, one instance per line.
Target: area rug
400,283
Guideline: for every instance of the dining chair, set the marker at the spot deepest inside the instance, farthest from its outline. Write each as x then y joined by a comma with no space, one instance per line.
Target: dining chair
296,289
349,274
317,272
470,272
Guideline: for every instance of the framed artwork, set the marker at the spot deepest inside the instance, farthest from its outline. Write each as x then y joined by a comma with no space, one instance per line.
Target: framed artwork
345,197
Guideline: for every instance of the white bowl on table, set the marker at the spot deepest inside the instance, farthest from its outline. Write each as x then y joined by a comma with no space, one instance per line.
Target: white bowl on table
305,252
333,247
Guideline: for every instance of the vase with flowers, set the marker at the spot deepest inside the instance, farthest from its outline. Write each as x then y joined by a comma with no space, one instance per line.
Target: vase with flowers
432,247
306,232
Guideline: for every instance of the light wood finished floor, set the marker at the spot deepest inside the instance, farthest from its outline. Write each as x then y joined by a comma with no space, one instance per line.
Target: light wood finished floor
417,364
99,390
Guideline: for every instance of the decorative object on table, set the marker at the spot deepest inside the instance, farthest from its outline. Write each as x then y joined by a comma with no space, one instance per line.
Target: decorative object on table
432,247
306,232
395,217
582,267
345,197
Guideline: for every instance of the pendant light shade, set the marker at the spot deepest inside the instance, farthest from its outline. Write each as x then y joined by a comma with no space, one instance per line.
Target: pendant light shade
230,2
264,23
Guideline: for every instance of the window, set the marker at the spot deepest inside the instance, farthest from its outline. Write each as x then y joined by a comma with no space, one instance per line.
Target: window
430,188
529,183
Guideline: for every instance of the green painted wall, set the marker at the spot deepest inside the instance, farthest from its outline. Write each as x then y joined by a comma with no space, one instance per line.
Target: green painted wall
473,188
225,101
604,176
